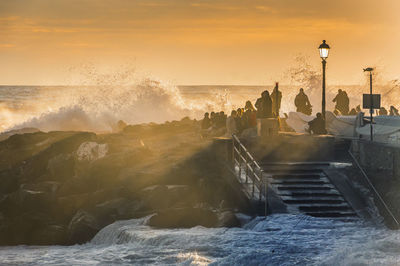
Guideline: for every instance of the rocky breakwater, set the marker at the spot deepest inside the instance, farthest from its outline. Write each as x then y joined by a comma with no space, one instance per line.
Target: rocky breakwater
63,187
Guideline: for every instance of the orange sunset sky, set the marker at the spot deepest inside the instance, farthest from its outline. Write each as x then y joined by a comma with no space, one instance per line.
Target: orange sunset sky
196,41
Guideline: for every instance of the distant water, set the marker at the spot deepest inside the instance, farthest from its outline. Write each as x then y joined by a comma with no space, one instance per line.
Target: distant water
279,240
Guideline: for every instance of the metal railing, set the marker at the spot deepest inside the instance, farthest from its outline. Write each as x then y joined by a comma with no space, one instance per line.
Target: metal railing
378,196
253,173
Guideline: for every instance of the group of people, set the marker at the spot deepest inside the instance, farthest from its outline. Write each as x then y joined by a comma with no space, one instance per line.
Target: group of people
393,111
268,106
239,120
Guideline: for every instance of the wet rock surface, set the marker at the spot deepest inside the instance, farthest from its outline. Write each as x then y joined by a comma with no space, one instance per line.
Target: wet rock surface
63,187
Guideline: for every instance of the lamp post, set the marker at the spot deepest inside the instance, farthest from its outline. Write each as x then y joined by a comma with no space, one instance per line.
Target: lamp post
371,110
323,53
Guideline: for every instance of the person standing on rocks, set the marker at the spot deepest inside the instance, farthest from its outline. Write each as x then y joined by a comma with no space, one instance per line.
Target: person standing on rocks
276,97
302,103
264,105
342,102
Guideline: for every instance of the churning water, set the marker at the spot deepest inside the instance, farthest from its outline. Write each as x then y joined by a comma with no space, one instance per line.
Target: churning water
279,240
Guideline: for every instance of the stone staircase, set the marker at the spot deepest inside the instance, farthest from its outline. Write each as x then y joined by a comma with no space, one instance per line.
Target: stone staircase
305,188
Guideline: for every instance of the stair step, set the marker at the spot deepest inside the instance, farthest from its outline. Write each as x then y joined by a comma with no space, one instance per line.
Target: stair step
299,182
304,194
313,201
324,208
291,171
331,214
296,176
306,188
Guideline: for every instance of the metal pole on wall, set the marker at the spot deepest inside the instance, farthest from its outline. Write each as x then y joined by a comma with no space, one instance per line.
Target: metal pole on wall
371,110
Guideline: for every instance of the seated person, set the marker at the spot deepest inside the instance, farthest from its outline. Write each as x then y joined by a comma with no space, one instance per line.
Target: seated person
317,125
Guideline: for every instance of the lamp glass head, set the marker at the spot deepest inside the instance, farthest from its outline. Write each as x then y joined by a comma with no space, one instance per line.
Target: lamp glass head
324,50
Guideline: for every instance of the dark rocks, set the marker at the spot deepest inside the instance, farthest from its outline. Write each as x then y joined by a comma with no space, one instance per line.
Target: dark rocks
227,219
63,187
49,235
83,227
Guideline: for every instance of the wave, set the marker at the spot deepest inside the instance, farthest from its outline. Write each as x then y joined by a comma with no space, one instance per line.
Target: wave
99,108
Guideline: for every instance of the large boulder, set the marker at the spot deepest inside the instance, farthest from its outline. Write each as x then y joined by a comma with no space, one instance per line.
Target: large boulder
61,167
183,218
49,235
83,227
166,196
228,219
26,200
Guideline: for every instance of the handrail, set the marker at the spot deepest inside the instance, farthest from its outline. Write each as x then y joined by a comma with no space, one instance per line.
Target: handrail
373,188
246,151
252,169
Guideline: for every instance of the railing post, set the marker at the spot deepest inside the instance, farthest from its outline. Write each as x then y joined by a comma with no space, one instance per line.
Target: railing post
265,196
233,150
247,169
252,189
240,162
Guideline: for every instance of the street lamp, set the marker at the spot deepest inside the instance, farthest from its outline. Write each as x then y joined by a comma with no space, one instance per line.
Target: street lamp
323,53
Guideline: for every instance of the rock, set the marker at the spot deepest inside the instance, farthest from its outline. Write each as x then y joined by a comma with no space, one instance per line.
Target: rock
183,218
49,235
47,187
228,219
91,151
167,196
82,228
61,167
8,181
111,209
25,199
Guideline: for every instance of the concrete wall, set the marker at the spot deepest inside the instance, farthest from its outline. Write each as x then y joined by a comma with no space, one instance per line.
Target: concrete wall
378,157
293,147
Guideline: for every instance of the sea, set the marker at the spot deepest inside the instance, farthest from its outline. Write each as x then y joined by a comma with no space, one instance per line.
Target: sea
280,239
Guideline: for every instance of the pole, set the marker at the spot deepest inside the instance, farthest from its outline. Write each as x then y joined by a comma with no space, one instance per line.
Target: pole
323,88
371,110
276,100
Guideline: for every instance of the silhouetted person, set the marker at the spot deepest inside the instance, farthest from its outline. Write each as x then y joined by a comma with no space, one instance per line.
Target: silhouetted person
302,103
393,111
383,111
231,124
251,118
249,106
317,125
213,119
276,98
221,121
264,105
206,123
342,102
239,120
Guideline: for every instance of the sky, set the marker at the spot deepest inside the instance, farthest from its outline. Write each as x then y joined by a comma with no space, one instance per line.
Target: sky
196,41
